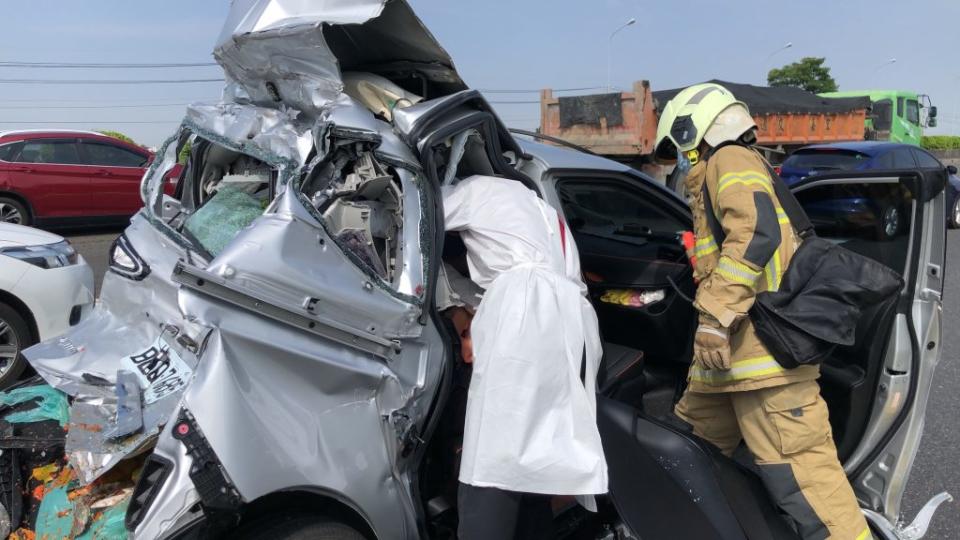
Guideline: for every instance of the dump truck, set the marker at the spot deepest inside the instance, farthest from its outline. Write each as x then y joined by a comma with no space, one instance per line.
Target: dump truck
623,125
896,115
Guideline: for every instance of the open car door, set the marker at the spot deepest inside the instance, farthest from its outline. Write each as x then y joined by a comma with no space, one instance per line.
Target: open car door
877,390
666,483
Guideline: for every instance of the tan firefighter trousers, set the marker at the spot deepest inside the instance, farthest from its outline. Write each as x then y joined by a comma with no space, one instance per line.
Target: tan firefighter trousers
787,429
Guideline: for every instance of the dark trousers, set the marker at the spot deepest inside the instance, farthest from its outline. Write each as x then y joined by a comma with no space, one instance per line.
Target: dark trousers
495,514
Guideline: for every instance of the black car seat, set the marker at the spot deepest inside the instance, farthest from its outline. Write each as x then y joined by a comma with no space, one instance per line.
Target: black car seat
668,484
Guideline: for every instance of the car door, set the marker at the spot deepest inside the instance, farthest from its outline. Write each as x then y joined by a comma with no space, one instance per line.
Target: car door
877,389
50,174
628,234
116,172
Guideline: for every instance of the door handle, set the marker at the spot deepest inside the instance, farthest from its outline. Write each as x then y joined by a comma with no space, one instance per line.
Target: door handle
23,169
103,172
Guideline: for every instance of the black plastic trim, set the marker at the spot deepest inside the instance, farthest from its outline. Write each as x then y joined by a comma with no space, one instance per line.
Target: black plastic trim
216,490
136,511
141,269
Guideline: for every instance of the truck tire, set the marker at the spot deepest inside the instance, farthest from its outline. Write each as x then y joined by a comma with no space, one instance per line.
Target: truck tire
954,219
13,211
298,527
14,337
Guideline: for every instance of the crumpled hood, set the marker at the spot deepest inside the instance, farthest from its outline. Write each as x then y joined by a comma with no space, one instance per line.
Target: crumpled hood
293,51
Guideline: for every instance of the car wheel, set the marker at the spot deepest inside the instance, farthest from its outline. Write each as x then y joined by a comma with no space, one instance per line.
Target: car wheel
298,527
12,211
890,222
14,337
954,220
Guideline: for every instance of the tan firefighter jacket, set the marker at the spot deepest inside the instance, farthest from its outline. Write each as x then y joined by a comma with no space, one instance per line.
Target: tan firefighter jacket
758,243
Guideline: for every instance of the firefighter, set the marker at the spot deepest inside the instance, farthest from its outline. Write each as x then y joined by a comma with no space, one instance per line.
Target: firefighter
736,390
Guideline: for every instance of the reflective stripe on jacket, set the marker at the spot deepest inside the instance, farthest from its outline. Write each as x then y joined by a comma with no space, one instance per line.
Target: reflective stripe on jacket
757,245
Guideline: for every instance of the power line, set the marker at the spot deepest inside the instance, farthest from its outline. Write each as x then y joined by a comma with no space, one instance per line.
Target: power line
524,102
81,65
107,122
107,81
68,107
43,101
536,91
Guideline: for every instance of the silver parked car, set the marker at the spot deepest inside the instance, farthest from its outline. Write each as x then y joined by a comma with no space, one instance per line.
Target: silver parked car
276,318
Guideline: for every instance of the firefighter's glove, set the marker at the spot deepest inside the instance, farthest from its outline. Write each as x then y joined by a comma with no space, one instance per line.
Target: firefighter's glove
711,347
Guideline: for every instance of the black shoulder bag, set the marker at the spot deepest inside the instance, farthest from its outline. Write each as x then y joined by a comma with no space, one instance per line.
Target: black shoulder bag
822,294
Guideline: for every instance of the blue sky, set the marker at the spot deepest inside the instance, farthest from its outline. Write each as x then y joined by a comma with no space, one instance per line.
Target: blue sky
519,44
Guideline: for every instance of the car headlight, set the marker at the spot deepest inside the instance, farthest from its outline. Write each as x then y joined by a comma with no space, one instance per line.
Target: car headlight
45,256
125,260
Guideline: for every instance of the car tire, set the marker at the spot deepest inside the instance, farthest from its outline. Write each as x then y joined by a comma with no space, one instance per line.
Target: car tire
954,220
13,211
297,527
890,221
14,337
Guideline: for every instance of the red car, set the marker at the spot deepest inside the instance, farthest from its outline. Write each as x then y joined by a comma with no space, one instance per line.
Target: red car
63,178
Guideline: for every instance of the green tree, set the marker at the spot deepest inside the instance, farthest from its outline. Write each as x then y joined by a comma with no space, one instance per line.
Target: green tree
118,135
809,74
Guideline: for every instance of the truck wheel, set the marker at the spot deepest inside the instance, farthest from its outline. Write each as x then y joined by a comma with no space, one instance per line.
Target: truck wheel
298,527
12,211
14,337
954,220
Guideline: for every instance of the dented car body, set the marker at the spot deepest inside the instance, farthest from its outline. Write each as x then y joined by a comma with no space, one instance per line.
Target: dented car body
278,313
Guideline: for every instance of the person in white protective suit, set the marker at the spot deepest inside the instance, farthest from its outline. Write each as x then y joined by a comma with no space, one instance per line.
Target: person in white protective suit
530,428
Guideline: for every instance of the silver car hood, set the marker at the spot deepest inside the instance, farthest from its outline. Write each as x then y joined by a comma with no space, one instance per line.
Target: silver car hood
293,52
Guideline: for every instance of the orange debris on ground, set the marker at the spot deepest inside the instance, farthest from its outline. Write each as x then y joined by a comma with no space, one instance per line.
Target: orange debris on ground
23,534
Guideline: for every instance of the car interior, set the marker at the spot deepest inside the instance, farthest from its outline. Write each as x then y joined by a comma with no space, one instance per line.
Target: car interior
639,282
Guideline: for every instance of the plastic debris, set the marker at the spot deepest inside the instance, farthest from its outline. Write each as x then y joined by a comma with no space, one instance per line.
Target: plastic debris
51,404
55,518
46,473
4,522
108,525
129,406
23,534
632,297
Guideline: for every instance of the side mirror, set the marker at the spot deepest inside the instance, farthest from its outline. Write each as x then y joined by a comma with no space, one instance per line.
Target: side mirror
952,169
932,113
931,122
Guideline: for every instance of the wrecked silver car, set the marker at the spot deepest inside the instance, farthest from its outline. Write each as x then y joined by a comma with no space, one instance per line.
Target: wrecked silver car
271,346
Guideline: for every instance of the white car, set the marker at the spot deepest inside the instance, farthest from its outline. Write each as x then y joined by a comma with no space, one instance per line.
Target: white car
45,287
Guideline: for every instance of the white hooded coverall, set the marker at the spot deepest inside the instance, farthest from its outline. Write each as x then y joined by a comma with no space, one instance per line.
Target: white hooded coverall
531,421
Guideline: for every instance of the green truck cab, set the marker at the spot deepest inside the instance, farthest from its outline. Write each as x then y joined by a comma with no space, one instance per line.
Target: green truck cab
896,114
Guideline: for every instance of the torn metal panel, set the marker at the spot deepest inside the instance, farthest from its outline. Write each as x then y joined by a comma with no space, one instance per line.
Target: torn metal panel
129,406
280,395
93,446
292,52
273,131
289,262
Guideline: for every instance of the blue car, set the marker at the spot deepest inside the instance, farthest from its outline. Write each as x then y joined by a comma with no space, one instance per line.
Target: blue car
864,156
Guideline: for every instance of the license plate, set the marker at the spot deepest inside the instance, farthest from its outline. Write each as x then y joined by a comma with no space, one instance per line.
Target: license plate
159,369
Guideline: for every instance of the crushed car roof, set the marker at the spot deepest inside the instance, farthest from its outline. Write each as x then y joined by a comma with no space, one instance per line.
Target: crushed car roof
294,52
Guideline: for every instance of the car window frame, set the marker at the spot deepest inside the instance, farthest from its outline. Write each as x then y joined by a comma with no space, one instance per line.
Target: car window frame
901,108
646,187
16,152
50,140
916,152
82,143
907,151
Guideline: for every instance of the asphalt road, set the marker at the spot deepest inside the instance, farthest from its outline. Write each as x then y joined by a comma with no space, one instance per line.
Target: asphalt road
937,466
